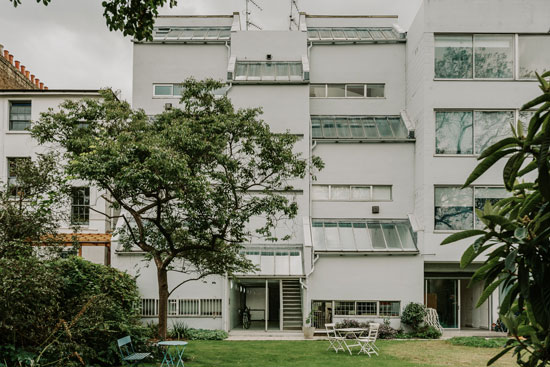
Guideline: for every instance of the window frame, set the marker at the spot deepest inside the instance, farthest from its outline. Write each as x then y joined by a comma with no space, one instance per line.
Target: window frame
473,202
10,130
515,56
515,111
365,86
85,207
351,187
355,309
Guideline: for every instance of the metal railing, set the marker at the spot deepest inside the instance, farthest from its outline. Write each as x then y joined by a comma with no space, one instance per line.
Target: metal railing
209,307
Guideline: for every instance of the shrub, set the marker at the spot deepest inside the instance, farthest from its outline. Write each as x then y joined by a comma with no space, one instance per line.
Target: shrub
427,332
350,323
413,315
179,330
478,342
203,334
386,332
74,307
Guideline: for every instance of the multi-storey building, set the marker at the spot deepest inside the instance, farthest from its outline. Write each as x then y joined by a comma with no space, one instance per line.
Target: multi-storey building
398,118
22,98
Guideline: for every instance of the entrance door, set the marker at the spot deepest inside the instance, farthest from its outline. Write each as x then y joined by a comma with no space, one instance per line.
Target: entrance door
322,313
442,294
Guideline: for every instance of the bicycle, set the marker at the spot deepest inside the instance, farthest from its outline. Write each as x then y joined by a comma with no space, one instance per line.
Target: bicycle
245,314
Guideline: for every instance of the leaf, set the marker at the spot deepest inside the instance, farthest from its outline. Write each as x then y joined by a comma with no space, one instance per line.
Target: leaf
504,143
462,235
536,101
520,233
500,354
488,291
468,256
500,220
528,168
508,299
529,203
511,169
487,163
509,263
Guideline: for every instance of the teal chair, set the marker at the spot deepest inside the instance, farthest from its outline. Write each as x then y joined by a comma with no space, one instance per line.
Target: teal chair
128,354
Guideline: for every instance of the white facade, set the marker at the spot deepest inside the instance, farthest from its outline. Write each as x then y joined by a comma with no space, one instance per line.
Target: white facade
15,142
380,106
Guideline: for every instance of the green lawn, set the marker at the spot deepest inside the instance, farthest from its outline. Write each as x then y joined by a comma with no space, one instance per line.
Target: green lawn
314,353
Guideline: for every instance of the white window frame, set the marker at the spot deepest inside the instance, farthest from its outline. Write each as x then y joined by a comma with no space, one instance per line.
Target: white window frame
351,186
355,315
346,90
515,67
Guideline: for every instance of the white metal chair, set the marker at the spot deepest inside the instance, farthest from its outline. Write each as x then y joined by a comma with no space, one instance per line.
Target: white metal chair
432,319
336,341
368,345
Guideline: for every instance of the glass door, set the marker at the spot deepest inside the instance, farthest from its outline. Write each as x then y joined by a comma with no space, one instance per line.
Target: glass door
442,294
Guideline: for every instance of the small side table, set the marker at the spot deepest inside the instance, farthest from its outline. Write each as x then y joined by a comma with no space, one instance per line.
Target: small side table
173,352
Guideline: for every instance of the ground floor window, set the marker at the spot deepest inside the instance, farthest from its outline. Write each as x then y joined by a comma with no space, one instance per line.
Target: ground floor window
207,307
323,311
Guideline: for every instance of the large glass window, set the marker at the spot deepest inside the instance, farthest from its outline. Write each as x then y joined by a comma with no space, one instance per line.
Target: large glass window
80,207
453,208
359,128
494,56
470,132
453,132
389,308
453,56
534,55
20,115
490,127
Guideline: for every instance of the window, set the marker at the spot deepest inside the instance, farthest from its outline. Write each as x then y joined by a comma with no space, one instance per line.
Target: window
269,71
389,308
358,128
211,307
80,208
14,163
176,90
183,307
346,90
20,115
454,207
189,307
534,55
352,34
367,308
164,90
479,56
470,132
356,235
351,193
191,33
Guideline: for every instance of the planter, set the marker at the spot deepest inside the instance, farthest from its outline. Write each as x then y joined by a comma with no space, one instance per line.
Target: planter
308,331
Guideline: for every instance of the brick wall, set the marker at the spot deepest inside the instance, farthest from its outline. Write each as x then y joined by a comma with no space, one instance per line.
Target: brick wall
11,78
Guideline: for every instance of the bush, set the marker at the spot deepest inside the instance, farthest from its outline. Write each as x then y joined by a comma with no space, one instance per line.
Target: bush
413,315
478,342
427,332
71,309
351,323
179,330
386,332
203,334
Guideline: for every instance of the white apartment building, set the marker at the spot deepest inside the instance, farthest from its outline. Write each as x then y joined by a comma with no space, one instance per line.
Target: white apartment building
18,108
397,116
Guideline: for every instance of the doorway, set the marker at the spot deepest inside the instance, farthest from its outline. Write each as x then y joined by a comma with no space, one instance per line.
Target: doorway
443,295
322,313
470,315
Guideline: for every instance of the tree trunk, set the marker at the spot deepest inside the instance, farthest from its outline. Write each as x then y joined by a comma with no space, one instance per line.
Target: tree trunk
162,278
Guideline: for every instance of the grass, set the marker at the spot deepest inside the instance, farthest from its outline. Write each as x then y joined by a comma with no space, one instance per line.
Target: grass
478,342
409,353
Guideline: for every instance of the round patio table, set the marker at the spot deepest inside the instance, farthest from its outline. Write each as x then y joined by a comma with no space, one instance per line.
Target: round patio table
355,333
173,352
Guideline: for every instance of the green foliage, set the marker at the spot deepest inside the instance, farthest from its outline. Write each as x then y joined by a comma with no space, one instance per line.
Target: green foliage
132,18
516,240
63,311
478,342
413,315
188,181
427,332
203,334
387,332
351,323
32,207
179,330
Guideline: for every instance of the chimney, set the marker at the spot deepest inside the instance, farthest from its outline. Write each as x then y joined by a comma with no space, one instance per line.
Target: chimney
10,59
41,85
46,88
28,74
23,69
1,48
6,54
17,63
32,78
36,82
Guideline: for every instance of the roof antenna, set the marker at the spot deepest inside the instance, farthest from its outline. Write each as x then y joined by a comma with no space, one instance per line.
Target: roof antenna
247,13
294,15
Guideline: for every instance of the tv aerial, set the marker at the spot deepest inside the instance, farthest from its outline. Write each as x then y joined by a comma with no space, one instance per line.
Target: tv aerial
294,18
248,22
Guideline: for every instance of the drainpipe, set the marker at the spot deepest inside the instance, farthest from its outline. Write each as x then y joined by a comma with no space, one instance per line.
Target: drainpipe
228,50
309,49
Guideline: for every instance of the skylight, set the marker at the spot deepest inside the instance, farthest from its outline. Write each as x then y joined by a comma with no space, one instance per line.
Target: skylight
358,128
363,236
352,34
191,34
283,71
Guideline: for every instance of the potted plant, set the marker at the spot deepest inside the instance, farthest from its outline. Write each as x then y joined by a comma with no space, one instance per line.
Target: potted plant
308,329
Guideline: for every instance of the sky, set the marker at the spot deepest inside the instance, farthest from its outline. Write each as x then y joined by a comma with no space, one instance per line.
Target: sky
67,44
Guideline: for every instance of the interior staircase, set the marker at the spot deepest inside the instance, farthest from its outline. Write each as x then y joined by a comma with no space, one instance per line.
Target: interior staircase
292,305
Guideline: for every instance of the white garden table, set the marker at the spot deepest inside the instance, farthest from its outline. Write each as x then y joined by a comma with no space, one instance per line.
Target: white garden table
353,331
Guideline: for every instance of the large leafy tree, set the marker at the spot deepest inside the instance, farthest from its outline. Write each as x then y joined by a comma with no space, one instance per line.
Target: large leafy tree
516,240
32,206
187,181
133,18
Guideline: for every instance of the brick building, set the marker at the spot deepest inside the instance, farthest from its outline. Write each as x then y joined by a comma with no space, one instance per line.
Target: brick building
14,75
